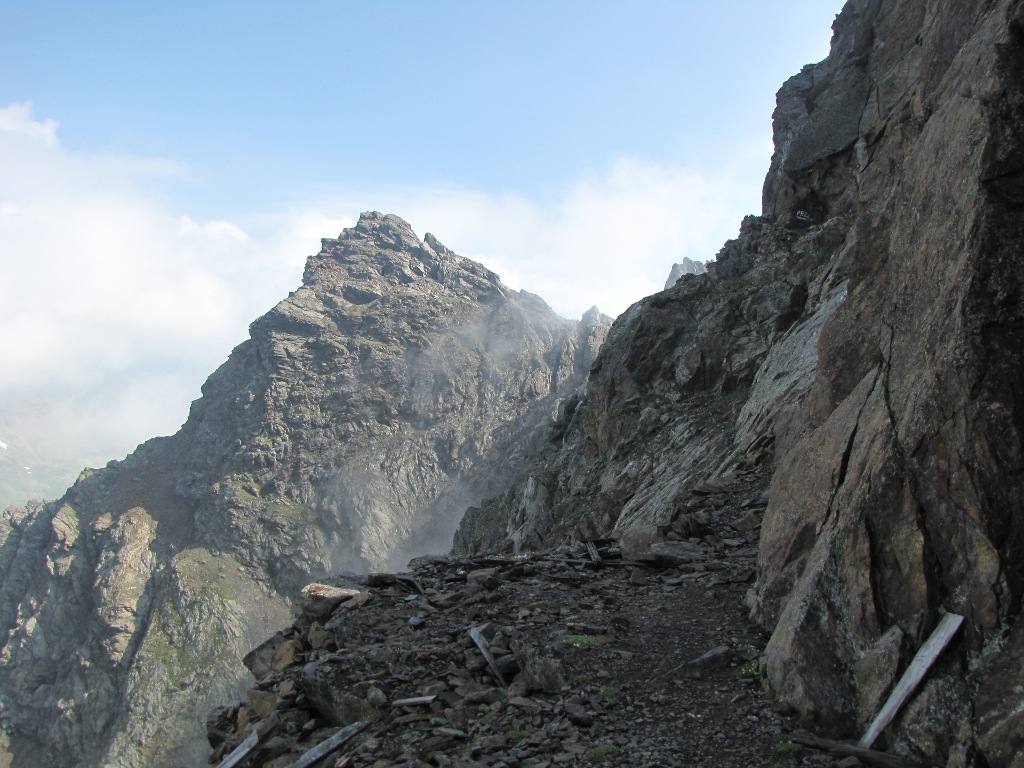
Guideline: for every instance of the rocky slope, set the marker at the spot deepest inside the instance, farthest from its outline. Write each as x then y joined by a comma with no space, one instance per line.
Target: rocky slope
864,337
605,663
398,385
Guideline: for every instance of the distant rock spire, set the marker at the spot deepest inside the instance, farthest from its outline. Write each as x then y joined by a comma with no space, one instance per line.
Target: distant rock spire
687,267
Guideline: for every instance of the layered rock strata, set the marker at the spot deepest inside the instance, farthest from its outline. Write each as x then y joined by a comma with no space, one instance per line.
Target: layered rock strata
398,385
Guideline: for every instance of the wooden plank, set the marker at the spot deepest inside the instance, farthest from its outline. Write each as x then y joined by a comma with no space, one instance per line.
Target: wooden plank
326,747
244,751
481,643
416,701
592,551
882,759
922,662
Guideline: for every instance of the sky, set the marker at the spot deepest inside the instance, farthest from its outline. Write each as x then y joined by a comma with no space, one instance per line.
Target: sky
167,167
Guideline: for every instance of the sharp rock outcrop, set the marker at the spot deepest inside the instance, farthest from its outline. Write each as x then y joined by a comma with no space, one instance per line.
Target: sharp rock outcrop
398,385
686,267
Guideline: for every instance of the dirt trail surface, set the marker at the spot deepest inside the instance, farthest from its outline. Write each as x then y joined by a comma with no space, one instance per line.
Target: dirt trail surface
601,663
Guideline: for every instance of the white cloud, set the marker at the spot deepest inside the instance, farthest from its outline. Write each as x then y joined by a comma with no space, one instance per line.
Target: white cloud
114,309
17,119
609,240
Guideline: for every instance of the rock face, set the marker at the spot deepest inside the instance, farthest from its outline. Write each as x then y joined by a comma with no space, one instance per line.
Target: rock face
686,267
865,337
904,497
398,385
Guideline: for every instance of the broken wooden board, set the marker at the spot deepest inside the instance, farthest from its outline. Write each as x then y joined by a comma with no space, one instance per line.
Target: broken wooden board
882,759
326,747
244,751
481,643
416,701
922,662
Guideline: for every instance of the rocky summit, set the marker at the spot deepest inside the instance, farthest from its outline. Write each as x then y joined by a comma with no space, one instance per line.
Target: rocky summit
762,493
400,384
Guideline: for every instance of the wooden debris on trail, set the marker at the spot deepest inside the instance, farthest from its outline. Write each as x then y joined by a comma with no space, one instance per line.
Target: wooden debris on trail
481,643
922,662
846,749
326,747
415,701
252,742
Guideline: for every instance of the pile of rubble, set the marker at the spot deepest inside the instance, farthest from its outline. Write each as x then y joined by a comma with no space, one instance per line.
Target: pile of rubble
572,657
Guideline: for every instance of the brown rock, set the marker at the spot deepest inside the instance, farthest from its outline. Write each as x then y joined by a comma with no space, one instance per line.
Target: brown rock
319,638
636,542
285,655
713,659
324,685
260,659
488,578
263,703
748,523
485,696
677,552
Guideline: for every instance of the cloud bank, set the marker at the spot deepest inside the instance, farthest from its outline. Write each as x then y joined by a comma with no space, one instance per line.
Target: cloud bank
115,306
610,239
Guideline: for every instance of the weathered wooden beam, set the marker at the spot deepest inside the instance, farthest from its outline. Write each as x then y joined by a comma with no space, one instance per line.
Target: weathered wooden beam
415,701
592,551
251,742
912,677
882,759
326,747
242,751
481,643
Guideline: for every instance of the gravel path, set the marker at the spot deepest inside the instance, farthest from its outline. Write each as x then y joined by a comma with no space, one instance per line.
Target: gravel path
608,666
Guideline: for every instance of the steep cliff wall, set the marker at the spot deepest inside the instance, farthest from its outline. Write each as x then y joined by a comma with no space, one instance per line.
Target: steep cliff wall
863,339
399,384
904,499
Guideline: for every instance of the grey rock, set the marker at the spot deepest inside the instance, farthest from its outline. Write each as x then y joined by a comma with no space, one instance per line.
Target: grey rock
686,267
399,384
677,552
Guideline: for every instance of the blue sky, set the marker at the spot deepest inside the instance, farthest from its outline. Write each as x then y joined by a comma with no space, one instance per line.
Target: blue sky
267,103
166,167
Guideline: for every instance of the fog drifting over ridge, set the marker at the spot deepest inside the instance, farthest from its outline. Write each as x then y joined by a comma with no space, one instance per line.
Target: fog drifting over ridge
115,306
